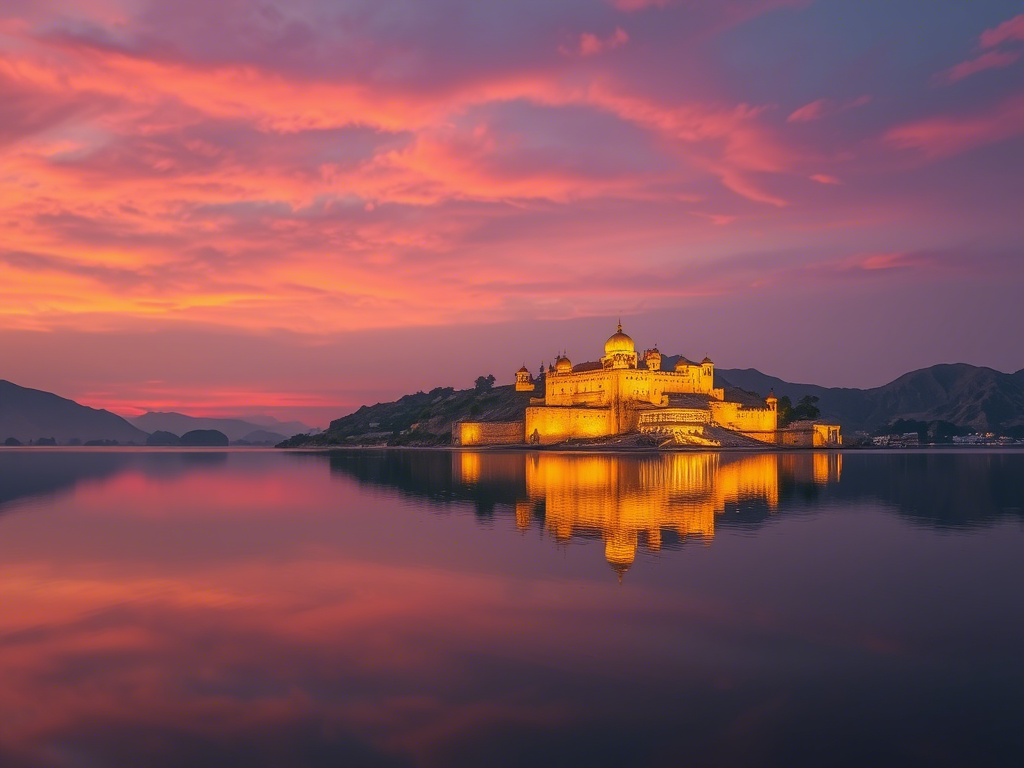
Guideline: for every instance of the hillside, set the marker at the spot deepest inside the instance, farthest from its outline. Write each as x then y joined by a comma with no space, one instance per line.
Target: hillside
424,418
965,395
235,429
29,414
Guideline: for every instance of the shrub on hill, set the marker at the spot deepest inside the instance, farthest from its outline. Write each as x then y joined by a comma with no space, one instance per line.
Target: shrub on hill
205,438
163,438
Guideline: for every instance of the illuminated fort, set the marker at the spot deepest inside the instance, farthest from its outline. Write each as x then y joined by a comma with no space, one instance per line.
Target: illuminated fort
624,393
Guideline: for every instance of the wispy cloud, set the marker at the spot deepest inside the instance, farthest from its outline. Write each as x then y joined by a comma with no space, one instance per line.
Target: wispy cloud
1009,31
989,60
816,110
590,44
947,135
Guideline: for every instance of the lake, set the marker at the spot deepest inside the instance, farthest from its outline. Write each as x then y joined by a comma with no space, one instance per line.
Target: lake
438,608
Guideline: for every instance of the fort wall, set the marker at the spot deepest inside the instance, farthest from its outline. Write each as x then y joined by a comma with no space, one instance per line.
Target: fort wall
553,425
488,433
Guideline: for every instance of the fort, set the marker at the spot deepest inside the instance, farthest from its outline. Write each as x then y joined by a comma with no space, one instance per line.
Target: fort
625,393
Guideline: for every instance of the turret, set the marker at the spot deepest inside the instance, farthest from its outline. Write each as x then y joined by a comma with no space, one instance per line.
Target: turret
772,401
653,359
524,381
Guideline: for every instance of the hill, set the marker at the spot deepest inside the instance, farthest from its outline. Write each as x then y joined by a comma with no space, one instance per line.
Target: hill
424,418
28,414
235,429
968,396
205,438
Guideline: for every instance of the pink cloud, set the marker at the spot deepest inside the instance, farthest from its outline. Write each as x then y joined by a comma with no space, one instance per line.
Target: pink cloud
989,60
824,178
639,5
590,44
948,135
1008,31
813,111
824,108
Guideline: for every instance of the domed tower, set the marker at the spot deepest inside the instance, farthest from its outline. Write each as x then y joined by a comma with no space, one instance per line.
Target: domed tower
653,359
524,381
772,401
619,351
562,365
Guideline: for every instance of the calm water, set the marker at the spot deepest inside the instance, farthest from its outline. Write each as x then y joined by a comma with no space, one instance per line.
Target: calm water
441,609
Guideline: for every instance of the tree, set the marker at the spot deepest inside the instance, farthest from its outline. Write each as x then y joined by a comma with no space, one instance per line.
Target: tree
785,409
806,408
484,383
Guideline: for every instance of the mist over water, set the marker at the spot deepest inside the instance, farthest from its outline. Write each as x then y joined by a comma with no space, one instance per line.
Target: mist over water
437,608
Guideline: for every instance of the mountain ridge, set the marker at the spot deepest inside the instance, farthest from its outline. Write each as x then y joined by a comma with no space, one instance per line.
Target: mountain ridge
30,414
235,429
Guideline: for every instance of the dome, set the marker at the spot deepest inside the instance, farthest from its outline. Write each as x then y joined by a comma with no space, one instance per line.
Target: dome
706,361
562,365
524,369
618,342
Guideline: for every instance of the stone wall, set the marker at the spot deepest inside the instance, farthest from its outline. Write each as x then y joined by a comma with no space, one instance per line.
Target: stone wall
488,433
758,423
553,425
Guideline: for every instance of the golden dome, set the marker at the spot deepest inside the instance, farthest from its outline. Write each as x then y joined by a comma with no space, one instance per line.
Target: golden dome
562,365
619,342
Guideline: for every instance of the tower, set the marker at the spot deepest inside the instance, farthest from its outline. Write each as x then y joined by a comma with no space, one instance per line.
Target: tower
524,381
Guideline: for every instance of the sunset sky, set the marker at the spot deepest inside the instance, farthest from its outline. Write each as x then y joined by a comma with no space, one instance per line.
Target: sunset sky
295,208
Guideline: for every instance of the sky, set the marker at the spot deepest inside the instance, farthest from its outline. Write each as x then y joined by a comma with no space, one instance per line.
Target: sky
296,208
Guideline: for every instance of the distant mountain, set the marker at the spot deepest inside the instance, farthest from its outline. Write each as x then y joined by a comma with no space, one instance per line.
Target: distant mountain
235,429
28,414
965,395
163,438
262,437
204,437
281,427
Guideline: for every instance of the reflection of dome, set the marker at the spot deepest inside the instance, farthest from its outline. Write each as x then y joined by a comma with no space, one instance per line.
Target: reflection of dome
618,342
562,365
620,551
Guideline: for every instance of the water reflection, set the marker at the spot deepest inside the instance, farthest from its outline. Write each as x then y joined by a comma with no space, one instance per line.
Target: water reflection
946,489
627,500
632,500
267,609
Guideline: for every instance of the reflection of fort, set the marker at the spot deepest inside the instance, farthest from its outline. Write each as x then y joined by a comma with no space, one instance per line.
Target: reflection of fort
631,499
